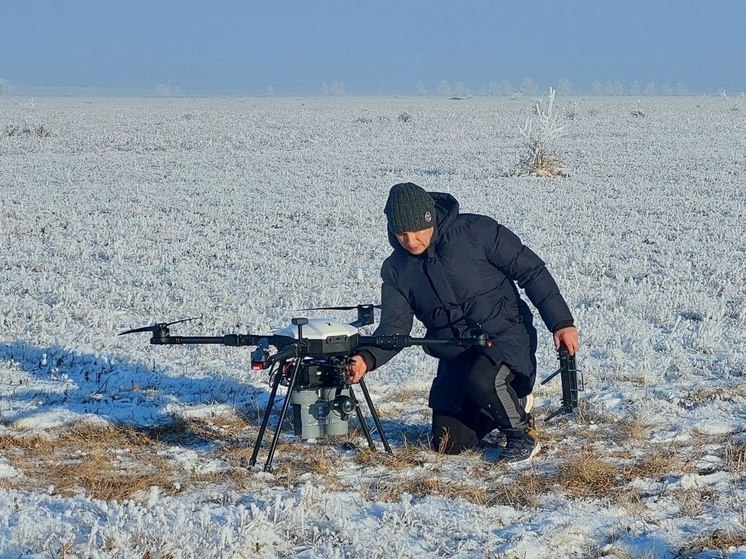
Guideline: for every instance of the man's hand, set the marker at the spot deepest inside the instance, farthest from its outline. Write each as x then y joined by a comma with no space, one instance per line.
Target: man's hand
356,369
567,337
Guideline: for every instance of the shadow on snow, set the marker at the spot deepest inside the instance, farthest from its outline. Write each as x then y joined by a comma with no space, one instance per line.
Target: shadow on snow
67,385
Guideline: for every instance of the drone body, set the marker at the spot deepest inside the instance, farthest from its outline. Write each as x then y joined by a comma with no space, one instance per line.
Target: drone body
324,336
310,360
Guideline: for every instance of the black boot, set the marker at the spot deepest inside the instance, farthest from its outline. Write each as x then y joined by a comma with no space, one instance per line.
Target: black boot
522,444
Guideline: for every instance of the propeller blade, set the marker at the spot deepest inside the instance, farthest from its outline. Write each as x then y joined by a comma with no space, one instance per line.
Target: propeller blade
348,308
184,320
156,327
142,329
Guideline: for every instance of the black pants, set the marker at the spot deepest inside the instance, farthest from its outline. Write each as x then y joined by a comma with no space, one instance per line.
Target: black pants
490,403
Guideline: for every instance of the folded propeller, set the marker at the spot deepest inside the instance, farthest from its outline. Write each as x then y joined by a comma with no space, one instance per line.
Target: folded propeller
160,328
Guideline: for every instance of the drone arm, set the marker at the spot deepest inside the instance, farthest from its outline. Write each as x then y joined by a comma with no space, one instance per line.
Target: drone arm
294,350
233,340
398,341
395,342
184,340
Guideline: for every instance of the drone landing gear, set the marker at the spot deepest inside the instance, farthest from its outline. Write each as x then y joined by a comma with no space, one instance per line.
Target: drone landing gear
297,365
374,415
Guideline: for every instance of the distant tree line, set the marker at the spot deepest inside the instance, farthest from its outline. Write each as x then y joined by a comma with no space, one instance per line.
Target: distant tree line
564,87
445,88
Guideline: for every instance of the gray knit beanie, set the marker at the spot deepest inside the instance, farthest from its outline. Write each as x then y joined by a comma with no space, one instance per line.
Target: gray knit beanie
409,208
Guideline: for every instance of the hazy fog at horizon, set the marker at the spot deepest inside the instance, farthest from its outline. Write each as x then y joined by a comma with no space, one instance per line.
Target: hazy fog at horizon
389,47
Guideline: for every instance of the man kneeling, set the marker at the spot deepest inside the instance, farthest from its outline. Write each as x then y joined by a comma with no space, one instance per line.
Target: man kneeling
458,273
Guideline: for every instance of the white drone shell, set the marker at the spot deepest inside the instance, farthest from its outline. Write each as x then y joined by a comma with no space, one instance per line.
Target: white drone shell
318,329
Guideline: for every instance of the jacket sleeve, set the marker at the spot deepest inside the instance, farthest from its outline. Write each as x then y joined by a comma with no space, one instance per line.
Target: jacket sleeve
396,318
519,263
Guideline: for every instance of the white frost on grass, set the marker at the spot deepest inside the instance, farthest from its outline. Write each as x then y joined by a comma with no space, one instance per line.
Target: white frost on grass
240,211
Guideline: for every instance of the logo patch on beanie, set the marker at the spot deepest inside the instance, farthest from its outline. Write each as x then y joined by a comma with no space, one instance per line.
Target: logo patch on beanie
428,217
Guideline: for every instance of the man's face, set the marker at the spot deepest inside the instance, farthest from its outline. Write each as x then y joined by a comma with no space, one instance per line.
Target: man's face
416,242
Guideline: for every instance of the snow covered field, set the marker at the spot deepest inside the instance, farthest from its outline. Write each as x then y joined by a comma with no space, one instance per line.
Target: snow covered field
120,213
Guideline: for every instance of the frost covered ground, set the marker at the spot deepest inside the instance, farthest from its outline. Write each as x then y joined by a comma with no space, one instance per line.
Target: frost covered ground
122,213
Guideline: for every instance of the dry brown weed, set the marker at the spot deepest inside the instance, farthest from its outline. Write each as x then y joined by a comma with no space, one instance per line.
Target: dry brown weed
654,465
545,164
718,540
630,430
693,502
405,457
299,459
735,458
525,491
106,462
588,475
425,485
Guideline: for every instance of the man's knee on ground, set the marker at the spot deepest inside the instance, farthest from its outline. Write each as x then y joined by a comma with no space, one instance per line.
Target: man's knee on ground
450,436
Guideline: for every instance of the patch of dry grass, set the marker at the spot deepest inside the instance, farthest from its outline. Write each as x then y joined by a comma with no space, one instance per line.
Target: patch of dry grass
589,475
735,458
184,431
718,540
292,460
691,502
620,551
630,430
592,425
407,395
525,491
656,464
703,438
425,485
713,393
106,462
545,164
404,457
115,462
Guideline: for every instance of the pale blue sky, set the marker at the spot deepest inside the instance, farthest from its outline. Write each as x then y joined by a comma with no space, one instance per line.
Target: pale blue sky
376,47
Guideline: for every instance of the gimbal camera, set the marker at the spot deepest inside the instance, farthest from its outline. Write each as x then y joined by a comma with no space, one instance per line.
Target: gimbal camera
311,360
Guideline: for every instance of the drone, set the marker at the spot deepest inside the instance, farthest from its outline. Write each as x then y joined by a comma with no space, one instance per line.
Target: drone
310,359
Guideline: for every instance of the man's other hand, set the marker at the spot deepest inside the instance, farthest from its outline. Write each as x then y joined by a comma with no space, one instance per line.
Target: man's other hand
356,369
567,337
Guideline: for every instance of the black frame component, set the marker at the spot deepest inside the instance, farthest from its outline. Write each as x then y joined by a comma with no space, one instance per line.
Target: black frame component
568,372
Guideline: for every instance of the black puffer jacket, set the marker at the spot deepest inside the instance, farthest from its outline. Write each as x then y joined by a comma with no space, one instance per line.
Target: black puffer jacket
467,279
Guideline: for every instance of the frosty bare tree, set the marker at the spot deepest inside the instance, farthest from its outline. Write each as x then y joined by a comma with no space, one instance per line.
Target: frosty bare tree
565,87
528,86
338,89
540,132
164,90
444,88
460,90
650,89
